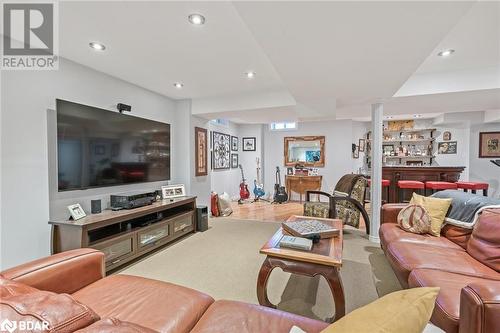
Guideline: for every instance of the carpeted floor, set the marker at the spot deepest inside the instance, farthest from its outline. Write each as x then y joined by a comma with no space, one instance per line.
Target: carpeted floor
224,262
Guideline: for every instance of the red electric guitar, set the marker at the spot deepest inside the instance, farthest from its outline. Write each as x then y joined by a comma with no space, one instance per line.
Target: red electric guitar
244,192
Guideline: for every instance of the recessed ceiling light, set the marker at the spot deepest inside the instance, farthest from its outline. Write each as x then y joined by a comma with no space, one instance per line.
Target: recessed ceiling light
446,53
196,19
178,85
250,74
97,46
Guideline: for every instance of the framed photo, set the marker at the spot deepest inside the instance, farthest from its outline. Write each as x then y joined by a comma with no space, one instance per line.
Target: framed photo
361,145
220,151
355,153
388,150
289,171
449,147
173,191
234,143
234,161
447,136
489,144
200,157
76,211
248,144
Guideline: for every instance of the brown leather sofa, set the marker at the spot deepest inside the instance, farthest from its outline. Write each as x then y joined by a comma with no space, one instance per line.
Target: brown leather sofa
464,263
124,303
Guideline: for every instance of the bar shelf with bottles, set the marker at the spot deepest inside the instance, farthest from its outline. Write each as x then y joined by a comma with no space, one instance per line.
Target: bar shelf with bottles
413,147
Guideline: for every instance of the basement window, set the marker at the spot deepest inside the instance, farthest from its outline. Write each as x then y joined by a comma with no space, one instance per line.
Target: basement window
220,122
284,126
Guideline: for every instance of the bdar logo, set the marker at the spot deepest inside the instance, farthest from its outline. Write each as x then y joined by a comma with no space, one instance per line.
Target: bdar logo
8,326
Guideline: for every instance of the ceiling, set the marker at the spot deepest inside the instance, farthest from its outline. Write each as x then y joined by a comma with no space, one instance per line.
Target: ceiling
314,60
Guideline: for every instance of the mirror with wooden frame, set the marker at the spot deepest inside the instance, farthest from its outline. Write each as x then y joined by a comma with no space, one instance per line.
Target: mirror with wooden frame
306,150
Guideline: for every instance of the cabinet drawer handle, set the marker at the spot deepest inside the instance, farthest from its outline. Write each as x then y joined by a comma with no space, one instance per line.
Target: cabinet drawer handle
116,261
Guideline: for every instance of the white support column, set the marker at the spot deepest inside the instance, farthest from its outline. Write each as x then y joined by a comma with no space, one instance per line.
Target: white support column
376,169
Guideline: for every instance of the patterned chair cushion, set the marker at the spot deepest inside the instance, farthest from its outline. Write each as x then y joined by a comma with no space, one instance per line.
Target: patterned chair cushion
317,209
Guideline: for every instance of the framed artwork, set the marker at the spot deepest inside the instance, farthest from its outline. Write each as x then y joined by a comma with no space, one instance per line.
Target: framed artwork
449,147
447,136
220,151
289,171
248,144
200,158
355,152
361,145
173,191
234,143
489,144
76,211
388,150
234,161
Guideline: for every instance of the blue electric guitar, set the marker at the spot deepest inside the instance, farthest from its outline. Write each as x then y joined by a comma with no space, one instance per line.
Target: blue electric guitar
258,187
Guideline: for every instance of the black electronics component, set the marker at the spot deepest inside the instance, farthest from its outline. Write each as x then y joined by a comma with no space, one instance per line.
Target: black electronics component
131,200
123,107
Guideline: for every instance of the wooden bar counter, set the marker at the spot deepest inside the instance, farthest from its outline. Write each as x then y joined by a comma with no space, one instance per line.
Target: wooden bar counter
420,173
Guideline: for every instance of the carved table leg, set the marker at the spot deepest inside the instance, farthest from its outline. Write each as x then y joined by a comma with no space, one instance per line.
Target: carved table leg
264,273
335,283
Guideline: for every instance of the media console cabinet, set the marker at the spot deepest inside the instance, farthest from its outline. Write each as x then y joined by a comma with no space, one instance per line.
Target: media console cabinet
125,235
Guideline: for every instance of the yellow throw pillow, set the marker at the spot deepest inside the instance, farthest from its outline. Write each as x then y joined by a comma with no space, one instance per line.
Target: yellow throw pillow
406,311
437,209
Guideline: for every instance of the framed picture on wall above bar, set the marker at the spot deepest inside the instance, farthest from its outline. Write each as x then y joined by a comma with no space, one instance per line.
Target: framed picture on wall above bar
489,144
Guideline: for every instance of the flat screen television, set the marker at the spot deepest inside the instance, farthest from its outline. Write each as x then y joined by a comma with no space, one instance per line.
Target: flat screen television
97,147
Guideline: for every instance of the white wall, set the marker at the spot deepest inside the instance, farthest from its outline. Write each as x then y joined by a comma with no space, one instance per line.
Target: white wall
338,140
481,169
248,158
26,98
201,185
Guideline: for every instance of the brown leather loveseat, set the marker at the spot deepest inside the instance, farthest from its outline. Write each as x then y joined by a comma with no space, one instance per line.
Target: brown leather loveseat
464,263
124,303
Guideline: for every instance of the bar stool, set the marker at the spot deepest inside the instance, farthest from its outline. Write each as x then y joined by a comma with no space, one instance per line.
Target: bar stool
385,184
439,186
473,186
409,185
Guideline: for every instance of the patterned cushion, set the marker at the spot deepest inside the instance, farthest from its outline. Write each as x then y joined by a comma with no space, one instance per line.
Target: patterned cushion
415,219
316,209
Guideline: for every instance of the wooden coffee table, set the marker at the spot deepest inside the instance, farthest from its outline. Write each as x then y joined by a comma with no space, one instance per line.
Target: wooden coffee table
325,259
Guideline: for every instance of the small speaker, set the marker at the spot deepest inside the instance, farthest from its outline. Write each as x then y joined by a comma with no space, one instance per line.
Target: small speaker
95,206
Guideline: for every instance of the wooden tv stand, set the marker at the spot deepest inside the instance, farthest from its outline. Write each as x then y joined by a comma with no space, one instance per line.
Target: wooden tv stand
127,234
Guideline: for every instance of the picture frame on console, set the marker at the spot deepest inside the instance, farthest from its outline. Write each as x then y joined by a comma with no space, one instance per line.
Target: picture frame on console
201,149
173,191
76,211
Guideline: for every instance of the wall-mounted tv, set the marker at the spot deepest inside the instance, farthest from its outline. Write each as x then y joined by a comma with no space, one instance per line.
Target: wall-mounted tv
97,147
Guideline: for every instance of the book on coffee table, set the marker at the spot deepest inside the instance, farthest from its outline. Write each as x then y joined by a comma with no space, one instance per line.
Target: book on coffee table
297,243
304,228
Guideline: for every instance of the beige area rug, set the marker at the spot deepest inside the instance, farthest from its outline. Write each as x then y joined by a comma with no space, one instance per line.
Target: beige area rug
224,262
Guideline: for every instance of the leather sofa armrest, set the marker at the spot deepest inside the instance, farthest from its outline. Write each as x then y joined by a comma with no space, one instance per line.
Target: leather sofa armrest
389,212
480,307
64,272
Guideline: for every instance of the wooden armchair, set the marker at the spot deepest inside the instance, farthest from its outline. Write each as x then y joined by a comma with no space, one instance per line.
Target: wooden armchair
346,202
